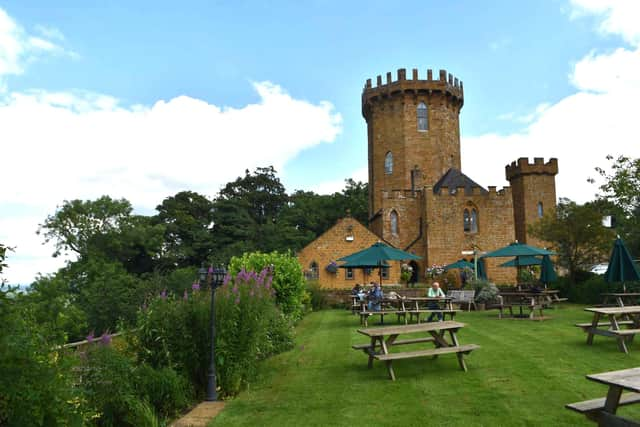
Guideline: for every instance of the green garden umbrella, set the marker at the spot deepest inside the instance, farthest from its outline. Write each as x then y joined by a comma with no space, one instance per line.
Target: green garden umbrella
375,257
621,266
522,260
517,250
460,264
547,273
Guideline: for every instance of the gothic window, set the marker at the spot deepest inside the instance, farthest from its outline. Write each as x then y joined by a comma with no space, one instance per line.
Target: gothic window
540,210
313,270
474,221
388,163
423,123
466,221
393,220
470,220
348,274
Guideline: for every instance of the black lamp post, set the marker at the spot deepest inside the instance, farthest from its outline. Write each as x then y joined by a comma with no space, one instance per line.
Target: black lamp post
215,278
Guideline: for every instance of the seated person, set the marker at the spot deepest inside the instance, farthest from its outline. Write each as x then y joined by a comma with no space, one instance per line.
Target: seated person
375,298
356,289
434,292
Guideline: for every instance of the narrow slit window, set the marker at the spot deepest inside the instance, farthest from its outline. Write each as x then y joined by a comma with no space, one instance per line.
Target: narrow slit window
423,122
388,163
540,210
474,221
393,219
466,219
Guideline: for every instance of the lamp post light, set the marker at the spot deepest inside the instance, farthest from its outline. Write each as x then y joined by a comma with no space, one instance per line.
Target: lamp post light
214,277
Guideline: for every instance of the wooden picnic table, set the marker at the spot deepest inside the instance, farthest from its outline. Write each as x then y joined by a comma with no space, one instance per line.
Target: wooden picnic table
621,298
618,316
532,300
383,339
603,410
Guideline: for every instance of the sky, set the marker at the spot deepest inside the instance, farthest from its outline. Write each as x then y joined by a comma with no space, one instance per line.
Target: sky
144,99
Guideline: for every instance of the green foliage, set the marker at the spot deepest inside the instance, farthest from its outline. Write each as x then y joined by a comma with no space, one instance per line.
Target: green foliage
173,332
317,296
187,218
36,382
576,233
288,279
622,189
55,309
167,392
106,292
590,287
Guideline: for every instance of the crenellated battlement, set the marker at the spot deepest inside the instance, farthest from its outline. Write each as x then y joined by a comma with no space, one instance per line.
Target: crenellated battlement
400,194
476,192
523,167
444,83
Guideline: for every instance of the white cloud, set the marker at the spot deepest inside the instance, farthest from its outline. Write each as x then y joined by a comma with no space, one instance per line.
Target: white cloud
68,145
581,129
17,47
618,17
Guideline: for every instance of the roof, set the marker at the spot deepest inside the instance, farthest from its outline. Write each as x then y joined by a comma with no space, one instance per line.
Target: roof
453,179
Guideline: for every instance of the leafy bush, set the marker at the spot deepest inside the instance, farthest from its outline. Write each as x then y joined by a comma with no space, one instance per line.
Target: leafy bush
167,392
591,289
485,291
317,297
36,383
174,331
288,278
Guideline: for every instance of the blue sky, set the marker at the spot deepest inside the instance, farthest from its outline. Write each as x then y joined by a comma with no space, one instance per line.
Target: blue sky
144,99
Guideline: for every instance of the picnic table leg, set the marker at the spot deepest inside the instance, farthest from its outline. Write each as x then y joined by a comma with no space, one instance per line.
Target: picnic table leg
594,326
454,340
613,399
385,350
372,351
621,340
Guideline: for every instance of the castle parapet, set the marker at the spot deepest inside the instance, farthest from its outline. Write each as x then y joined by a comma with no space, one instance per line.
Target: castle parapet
400,194
523,167
445,83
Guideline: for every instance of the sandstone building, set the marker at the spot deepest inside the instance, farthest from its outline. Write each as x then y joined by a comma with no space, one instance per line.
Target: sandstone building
419,199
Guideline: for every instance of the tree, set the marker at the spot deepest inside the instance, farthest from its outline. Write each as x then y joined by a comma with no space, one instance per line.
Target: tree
188,218
622,189
576,233
105,228
355,199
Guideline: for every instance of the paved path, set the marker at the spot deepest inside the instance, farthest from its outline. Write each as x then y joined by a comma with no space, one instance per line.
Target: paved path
200,415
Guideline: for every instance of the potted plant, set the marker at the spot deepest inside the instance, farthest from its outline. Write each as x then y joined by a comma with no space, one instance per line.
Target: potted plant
486,294
332,267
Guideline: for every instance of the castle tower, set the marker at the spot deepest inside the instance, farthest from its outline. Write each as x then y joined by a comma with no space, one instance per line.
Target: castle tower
413,132
533,191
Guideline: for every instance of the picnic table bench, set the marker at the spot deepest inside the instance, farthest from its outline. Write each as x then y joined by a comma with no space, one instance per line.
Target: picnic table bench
618,316
603,410
530,300
620,298
383,339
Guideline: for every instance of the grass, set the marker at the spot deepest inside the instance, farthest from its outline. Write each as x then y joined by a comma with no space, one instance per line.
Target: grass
524,374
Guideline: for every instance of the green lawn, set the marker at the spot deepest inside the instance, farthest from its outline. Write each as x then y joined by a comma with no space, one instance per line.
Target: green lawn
524,374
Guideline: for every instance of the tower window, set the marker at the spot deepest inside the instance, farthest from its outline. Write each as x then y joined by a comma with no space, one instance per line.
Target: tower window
388,163
540,210
466,219
474,221
393,219
423,122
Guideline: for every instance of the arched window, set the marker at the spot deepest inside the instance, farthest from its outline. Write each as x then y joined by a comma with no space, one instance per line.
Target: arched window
474,221
388,163
466,220
540,210
421,113
313,270
393,220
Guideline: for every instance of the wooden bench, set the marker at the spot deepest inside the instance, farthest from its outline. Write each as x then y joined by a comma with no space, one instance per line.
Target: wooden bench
500,306
367,347
626,332
606,323
417,313
463,297
464,349
593,408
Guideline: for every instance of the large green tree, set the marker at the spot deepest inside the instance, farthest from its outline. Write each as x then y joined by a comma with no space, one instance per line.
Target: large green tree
622,189
576,233
188,218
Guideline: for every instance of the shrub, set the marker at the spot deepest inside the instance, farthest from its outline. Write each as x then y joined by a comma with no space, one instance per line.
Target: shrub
167,392
36,383
485,290
288,278
317,297
174,331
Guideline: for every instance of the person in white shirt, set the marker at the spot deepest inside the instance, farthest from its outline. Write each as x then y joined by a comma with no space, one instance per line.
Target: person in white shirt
434,292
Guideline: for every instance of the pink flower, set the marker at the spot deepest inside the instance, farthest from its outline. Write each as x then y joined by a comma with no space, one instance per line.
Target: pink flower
237,301
195,286
163,294
105,339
